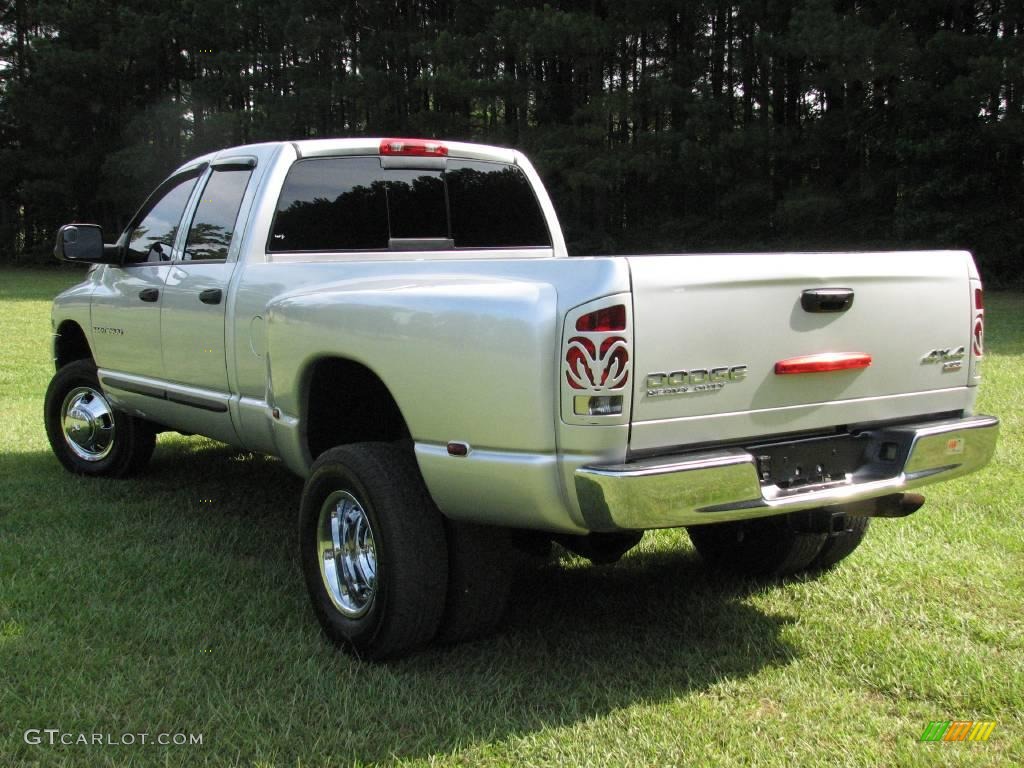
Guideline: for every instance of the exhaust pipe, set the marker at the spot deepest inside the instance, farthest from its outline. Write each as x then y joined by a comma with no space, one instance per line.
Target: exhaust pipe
893,505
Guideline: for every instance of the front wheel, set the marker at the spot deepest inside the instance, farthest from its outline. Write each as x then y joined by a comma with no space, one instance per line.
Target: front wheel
373,551
87,434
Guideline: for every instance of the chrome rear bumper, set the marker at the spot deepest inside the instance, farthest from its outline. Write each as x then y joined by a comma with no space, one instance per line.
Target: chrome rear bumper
721,485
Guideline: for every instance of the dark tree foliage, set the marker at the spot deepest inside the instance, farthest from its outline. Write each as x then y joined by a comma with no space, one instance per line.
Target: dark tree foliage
657,125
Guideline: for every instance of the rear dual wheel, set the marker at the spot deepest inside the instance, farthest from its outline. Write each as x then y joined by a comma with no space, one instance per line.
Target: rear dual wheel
775,546
386,572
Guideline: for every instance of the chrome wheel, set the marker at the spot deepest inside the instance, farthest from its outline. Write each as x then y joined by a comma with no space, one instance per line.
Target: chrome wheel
347,555
88,423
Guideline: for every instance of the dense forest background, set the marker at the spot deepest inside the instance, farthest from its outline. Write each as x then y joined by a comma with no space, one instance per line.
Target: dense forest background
656,124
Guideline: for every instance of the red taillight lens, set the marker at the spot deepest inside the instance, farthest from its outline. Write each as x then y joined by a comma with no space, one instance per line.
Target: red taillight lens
978,329
597,368
829,361
603,320
577,358
413,148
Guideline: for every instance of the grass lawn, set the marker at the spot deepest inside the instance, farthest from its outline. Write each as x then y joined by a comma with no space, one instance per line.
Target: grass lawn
173,603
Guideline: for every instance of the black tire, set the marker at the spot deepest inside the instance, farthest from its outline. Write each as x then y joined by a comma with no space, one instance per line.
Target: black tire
480,569
131,440
840,545
408,544
767,546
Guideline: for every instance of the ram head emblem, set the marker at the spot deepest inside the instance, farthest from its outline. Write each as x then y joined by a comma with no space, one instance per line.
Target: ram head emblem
597,368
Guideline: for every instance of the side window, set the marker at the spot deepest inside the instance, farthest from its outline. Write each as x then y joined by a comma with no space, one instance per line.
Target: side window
493,206
214,222
152,238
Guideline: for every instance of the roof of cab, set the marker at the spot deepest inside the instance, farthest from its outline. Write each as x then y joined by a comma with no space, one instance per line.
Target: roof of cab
356,146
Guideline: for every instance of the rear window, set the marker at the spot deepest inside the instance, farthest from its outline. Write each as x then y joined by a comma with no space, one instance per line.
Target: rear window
352,204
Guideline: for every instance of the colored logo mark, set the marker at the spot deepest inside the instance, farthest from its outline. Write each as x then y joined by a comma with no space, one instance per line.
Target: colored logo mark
958,730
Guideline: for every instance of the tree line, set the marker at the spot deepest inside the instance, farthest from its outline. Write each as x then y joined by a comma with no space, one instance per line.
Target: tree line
656,124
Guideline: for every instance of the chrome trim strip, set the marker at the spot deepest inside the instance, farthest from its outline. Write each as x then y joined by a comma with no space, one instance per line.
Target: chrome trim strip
721,485
134,387
203,403
205,399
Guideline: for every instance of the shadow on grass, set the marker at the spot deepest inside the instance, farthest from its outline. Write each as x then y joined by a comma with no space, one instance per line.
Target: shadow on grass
217,566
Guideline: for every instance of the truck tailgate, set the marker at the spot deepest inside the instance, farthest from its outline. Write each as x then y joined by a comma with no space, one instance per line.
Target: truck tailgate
711,328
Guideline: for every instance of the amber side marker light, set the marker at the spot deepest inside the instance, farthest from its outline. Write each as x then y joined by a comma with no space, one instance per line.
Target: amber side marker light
823,363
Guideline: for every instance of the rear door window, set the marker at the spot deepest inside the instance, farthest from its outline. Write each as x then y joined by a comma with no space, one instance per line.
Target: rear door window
213,225
352,204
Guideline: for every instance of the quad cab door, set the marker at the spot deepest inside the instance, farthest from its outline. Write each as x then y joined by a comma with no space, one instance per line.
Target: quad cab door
126,303
192,328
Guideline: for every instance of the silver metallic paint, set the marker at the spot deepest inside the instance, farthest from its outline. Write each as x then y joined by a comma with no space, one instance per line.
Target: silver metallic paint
470,344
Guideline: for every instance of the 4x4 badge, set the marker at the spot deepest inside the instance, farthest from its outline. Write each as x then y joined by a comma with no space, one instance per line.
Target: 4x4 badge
952,358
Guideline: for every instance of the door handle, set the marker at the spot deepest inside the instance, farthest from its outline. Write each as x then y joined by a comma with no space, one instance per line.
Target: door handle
211,296
827,299
149,294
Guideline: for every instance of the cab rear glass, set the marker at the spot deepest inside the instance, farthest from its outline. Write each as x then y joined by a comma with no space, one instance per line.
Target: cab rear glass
353,204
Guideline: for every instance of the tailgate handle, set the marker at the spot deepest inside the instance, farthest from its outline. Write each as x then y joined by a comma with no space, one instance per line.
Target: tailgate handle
827,299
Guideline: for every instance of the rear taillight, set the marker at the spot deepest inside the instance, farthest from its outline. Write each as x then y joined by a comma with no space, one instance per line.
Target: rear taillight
413,148
597,362
978,337
597,367
603,320
977,332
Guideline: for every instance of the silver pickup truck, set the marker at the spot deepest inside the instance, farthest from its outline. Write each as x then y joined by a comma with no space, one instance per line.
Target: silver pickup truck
399,321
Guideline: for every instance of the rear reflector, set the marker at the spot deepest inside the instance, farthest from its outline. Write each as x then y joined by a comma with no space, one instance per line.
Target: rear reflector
603,320
413,148
828,361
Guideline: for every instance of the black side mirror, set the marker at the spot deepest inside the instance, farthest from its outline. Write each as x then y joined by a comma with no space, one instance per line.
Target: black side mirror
84,243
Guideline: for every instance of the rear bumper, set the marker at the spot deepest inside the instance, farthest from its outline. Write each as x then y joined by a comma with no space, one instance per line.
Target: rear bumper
720,485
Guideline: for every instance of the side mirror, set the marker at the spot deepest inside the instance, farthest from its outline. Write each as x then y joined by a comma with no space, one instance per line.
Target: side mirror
84,243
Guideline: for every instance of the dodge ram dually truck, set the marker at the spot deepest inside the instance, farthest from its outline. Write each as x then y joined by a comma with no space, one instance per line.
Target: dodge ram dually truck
399,321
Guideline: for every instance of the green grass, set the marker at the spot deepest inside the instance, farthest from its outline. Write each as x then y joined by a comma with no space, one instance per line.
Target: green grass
173,603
